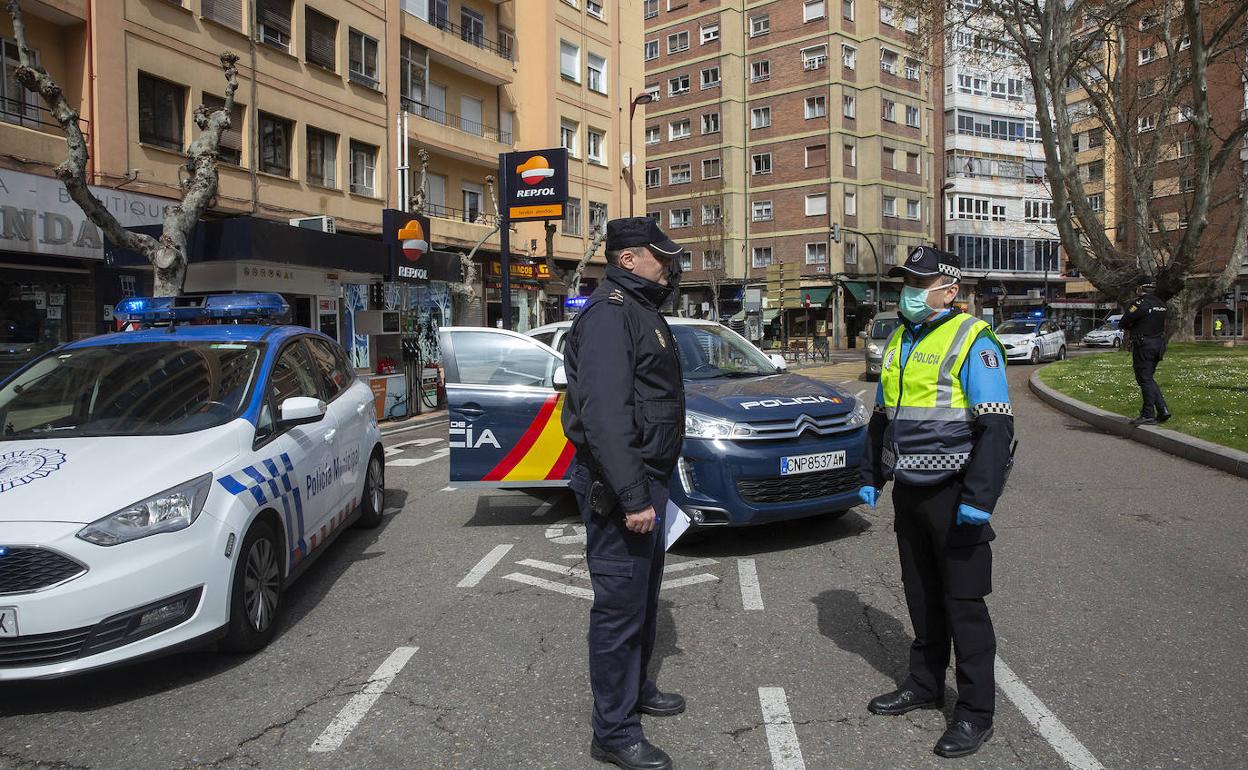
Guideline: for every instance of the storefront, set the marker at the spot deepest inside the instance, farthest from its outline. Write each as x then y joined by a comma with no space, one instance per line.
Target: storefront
529,296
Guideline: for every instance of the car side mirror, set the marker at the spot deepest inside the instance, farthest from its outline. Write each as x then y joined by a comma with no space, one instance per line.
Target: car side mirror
863,334
301,410
778,361
561,379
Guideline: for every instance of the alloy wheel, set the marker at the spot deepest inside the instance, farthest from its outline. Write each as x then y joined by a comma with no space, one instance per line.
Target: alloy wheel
261,584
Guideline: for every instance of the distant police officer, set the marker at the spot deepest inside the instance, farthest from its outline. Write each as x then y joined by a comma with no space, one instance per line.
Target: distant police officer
942,431
625,414
1145,321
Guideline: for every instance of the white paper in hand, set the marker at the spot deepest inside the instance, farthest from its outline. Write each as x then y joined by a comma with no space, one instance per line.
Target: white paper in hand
675,522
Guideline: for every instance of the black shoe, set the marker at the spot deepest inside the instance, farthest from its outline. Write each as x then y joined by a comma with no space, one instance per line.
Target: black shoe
962,739
1142,420
665,704
640,756
1165,415
898,702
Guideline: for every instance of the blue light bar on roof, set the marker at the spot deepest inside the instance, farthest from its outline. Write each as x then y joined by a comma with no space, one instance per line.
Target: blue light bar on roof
256,306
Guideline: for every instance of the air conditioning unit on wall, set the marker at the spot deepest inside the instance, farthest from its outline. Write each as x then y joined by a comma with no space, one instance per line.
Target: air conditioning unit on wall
323,224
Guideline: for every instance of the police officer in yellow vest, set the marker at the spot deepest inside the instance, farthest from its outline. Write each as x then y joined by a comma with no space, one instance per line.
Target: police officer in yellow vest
942,431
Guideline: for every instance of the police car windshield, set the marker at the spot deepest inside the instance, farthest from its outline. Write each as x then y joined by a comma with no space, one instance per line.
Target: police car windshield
1017,327
707,352
134,389
883,328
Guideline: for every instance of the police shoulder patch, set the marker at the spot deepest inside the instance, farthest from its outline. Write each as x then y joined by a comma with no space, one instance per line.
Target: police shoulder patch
1132,308
990,358
616,297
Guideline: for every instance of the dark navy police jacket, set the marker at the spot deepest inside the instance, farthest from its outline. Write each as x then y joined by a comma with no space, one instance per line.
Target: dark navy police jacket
625,408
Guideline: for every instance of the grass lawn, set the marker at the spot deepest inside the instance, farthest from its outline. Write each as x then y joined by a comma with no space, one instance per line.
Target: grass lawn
1206,387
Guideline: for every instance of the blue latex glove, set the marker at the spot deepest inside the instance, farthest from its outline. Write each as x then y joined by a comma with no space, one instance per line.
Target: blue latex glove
869,496
970,515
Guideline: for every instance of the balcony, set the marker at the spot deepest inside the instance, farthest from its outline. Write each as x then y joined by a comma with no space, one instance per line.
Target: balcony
462,49
458,136
459,227
28,130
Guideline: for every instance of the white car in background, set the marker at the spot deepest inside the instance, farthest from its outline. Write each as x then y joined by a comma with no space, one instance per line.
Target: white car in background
1107,335
1032,340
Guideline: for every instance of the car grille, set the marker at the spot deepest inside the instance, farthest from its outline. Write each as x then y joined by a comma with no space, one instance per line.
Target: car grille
42,649
792,489
789,429
30,569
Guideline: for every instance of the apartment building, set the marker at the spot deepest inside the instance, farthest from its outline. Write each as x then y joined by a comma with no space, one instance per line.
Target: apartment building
775,120
998,210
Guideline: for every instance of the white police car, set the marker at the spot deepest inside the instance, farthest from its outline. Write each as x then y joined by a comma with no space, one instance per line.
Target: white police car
160,487
1033,339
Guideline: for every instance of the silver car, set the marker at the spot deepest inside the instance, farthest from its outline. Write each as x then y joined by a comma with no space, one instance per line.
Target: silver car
875,338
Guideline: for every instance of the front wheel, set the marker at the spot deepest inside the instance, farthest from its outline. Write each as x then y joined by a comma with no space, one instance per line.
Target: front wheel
256,595
374,500
1061,353
1117,344
1035,355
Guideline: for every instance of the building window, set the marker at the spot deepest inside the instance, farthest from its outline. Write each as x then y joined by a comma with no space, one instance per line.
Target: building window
710,123
816,253
657,216
847,10
1147,55
1188,184
567,136
812,10
850,250
816,155
817,107
594,141
596,73
594,8
653,177
686,261
849,106
817,205
888,158
888,110
912,116
412,74
711,213
570,61
760,25
761,256
1039,212
678,42
652,134
888,206
650,9
712,259
275,144
710,77
761,163
851,204
273,23
363,168
709,33
888,61
364,59
320,39
1096,201
1147,123
886,15
849,57
762,211
652,50
760,71
678,85
597,216
322,158
678,218
679,129
162,109
971,208
849,155
815,57
760,117
912,208
680,173
912,69
572,217
230,149
226,12
654,92
711,168
506,42
998,212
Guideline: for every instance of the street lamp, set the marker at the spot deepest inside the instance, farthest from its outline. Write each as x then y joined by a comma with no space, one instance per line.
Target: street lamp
940,244
643,98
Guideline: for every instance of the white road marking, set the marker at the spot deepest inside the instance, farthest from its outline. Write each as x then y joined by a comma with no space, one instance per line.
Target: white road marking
1068,747
689,581
450,489
684,565
556,568
427,424
361,702
558,532
484,566
786,752
545,507
859,393
395,449
390,511
550,585
574,556
751,593
411,462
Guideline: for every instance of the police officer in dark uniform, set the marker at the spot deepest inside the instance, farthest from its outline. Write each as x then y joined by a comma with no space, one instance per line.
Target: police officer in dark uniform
625,414
1145,321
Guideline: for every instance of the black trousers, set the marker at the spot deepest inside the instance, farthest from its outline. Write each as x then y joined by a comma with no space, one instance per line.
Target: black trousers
947,571
626,570
1146,353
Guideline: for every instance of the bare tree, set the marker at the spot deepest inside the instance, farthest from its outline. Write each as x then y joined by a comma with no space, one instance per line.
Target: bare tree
712,238
1078,59
572,278
167,254
416,204
464,292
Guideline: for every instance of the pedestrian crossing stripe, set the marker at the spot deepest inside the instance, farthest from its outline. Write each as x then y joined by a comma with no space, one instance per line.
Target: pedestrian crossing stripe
542,453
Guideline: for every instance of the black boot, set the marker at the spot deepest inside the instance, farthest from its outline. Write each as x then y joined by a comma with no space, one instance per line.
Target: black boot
1146,420
962,739
1163,415
643,755
665,704
898,702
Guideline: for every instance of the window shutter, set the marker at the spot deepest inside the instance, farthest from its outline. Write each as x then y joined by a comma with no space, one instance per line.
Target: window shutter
274,14
227,12
320,39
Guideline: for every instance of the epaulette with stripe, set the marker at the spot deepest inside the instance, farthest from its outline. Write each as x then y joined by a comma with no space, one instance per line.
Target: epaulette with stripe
616,297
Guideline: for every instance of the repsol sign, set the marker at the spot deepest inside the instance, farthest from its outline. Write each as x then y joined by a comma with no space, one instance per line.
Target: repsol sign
417,273
535,192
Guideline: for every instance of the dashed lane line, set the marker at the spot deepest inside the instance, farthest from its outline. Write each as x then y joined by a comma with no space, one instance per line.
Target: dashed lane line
751,592
411,462
484,566
689,581
361,702
786,752
550,585
1068,747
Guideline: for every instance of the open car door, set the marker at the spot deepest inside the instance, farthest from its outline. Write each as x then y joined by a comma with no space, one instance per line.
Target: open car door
505,409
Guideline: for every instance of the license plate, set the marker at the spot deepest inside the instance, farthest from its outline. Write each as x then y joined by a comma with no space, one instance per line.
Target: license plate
8,622
791,466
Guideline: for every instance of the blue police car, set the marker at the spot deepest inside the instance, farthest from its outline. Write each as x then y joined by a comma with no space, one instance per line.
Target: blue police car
761,444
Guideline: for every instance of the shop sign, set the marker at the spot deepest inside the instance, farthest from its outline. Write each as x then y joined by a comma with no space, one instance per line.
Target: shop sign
409,240
37,216
537,184
538,271
258,276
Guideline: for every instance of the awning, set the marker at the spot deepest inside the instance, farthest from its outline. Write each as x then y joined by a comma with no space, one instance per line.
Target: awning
768,316
863,291
817,294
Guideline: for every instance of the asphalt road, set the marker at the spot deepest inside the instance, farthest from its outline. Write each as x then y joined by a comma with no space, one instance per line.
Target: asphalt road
1120,577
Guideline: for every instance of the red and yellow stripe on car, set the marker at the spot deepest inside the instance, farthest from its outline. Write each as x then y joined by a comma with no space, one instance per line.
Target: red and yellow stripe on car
542,453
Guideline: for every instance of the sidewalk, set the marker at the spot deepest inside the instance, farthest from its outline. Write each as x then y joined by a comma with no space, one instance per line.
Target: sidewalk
432,417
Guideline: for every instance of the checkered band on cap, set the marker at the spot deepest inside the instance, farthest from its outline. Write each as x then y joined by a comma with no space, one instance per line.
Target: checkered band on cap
993,407
949,270
950,462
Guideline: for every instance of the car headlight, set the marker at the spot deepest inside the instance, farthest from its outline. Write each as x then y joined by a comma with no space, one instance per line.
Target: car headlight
873,349
171,510
701,426
860,415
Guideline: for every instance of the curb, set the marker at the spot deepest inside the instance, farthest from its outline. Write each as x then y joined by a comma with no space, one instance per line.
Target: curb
412,423
1179,444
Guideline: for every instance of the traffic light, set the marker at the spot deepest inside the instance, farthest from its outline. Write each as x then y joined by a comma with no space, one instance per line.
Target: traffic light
836,232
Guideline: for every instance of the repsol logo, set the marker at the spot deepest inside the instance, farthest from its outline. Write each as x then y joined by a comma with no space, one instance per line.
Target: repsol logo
771,403
413,272
324,478
535,192
926,358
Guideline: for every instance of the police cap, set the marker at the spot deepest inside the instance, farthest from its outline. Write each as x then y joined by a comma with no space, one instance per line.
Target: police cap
925,262
640,231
